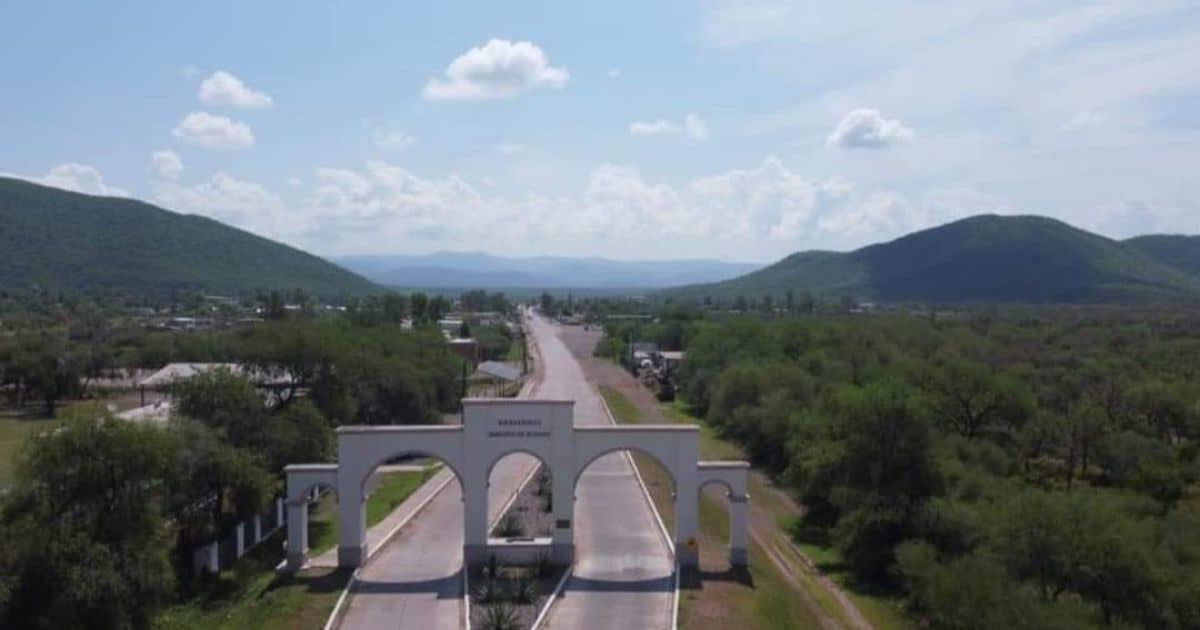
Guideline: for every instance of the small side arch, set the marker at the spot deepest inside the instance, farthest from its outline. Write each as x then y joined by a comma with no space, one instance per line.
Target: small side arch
302,478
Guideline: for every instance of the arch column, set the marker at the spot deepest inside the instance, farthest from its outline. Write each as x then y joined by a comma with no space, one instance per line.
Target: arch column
687,500
739,507
297,533
475,516
562,543
352,517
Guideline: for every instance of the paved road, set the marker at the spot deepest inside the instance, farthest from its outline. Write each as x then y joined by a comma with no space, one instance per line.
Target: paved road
415,580
623,575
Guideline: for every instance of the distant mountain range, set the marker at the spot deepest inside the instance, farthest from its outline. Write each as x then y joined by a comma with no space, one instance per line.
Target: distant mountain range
485,271
61,240
989,258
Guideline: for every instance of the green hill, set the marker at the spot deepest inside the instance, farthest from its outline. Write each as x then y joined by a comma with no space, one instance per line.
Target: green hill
980,259
1180,252
62,240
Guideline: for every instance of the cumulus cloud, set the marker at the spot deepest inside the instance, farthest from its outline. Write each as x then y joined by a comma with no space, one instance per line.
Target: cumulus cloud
166,164
75,177
222,88
692,125
393,139
240,203
1086,118
769,205
214,132
497,70
867,129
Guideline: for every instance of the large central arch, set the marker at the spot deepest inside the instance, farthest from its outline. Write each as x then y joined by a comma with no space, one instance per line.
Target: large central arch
491,430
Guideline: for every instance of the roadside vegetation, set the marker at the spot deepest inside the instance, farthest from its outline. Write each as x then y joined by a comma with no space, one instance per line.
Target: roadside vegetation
989,469
100,515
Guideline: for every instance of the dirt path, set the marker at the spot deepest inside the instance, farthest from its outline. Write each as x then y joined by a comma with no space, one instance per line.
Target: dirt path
788,560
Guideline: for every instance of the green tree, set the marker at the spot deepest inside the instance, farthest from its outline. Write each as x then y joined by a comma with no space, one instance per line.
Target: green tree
83,538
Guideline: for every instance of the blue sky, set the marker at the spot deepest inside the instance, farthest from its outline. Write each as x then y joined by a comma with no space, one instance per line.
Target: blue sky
738,130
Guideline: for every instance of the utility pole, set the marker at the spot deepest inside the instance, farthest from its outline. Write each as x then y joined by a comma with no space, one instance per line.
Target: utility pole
524,352
462,408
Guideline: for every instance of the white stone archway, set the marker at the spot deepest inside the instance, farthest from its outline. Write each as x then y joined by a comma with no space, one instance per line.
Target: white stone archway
491,430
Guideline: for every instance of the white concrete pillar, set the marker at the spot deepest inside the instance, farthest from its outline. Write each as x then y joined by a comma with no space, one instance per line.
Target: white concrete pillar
352,516
739,507
562,493
257,528
475,520
239,534
297,534
687,500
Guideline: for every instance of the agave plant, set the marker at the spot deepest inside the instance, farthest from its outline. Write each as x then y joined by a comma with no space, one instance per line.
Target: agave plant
525,591
493,567
543,567
488,590
500,616
510,526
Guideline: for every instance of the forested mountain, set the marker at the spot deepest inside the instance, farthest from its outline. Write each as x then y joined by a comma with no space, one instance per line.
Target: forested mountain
1181,252
63,240
485,271
980,259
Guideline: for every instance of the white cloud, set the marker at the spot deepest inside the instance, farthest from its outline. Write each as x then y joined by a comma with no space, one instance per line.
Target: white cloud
768,207
214,132
692,125
295,182
75,177
867,129
510,148
653,128
393,139
166,164
1086,118
695,127
614,73
222,88
497,70
240,203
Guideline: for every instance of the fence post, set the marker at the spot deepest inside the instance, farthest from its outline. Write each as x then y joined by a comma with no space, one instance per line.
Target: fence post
214,556
240,546
278,512
257,528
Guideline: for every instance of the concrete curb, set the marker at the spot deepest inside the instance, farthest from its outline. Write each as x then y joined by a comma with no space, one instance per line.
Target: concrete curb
466,609
541,618
675,608
332,621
